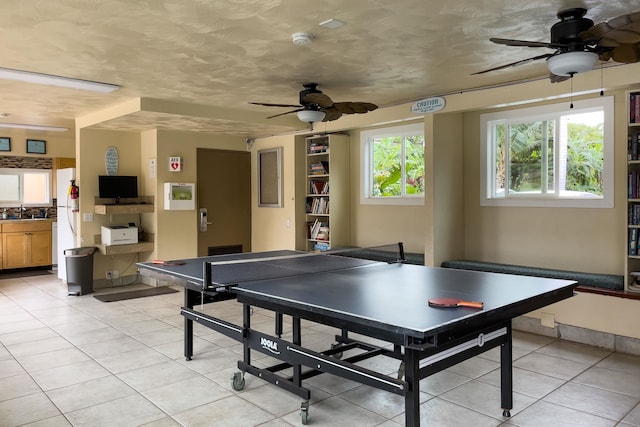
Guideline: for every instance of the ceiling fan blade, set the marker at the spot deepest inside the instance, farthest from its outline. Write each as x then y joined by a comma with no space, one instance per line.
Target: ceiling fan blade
557,79
353,107
515,64
318,98
288,112
626,53
624,29
275,105
525,43
331,116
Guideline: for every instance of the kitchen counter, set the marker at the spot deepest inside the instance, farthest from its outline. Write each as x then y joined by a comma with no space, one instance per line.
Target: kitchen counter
23,220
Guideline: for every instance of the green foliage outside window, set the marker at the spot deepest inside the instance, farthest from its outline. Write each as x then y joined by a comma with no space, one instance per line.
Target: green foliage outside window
389,163
529,161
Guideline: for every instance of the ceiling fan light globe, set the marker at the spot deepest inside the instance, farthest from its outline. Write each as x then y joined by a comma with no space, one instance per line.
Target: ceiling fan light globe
570,63
311,116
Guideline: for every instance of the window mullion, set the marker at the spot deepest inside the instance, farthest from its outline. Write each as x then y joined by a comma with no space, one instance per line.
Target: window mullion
544,164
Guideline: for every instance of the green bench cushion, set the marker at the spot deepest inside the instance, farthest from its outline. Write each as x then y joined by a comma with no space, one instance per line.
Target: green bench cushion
604,281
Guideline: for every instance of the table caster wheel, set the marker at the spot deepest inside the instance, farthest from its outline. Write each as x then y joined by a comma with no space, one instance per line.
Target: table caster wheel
237,381
506,413
304,413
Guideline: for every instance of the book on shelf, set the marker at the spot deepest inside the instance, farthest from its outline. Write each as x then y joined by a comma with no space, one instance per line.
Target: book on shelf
319,205
633,241
320,168
635,284
318,187
321,246
317,148
315,227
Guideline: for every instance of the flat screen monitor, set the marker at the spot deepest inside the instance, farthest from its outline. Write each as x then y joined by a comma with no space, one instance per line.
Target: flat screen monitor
117,187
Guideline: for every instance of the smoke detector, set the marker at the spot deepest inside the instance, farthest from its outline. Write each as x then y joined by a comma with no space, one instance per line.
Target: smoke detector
302,39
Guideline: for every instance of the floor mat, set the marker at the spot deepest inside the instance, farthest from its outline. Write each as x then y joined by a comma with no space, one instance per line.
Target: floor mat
121,296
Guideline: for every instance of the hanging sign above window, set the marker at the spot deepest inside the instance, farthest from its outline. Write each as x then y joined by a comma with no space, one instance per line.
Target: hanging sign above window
428,105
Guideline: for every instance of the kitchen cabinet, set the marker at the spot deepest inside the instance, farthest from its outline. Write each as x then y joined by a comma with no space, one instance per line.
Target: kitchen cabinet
26,243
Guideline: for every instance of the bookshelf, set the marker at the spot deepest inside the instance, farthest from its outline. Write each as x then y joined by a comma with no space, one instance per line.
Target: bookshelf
632,264
326,201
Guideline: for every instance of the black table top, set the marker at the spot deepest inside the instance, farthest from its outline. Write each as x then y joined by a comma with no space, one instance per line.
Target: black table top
393,296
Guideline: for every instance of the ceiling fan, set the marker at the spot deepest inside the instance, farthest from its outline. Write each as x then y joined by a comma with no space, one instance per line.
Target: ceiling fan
579,44
315,106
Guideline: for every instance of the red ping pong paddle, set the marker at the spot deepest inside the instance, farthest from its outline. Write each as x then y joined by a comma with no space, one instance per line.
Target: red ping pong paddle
161,262
454,302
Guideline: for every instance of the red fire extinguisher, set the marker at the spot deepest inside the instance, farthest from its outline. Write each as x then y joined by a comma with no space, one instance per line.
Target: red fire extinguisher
74,196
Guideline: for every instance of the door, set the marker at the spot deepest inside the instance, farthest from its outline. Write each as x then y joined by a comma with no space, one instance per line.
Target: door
224,190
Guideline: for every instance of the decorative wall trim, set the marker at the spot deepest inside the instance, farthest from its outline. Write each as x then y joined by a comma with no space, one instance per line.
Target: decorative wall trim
26,162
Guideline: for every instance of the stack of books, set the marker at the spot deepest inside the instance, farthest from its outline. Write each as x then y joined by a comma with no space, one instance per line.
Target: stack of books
320,168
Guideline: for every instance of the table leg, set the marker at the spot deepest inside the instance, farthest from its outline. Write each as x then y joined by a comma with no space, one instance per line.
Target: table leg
412,394
506,374
189,302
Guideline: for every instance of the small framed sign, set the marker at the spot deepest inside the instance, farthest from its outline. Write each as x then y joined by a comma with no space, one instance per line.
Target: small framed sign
5,143
36,146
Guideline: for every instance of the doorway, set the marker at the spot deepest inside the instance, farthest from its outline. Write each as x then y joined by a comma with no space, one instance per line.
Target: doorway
224,190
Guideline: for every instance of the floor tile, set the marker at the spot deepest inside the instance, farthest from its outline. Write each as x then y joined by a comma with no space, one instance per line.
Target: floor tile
147,378
127,411
550,365
548,414
52,359
232,411
591,400
17,386
607,379
441,413
186,394
89,393
485,398
336,412
526,382
134,359
27,336
75,373
633,417
27,409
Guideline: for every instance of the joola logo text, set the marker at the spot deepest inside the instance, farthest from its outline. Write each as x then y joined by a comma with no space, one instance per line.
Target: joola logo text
267,344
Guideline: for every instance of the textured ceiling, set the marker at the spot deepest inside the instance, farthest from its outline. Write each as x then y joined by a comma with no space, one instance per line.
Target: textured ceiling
226,53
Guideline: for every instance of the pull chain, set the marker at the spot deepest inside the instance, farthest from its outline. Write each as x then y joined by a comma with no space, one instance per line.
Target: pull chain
571,96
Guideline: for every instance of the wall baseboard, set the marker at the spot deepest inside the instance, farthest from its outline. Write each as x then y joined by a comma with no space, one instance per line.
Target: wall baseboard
590,337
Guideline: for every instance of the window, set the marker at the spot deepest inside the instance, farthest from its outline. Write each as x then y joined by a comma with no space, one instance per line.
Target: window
549,156
30,187
393,165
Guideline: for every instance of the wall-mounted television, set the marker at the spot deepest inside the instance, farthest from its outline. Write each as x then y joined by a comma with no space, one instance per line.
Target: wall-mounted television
117,187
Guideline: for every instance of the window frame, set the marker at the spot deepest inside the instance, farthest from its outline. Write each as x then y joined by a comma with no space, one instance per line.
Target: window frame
547,112
366,164
21,172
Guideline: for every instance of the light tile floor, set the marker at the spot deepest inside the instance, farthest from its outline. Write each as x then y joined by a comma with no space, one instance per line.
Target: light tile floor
78,361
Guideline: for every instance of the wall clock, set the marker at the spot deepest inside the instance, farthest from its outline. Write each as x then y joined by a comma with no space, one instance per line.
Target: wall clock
36,146
5,144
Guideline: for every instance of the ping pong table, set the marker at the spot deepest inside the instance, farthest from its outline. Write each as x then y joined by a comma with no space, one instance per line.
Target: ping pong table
381,300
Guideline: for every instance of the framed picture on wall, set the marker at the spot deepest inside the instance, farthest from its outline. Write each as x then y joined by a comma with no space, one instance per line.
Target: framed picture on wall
36,146
270,178
5,143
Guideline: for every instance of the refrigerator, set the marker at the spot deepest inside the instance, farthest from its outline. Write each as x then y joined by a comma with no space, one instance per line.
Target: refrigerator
67,219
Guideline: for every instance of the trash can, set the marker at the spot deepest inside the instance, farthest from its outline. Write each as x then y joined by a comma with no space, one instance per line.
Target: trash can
79,263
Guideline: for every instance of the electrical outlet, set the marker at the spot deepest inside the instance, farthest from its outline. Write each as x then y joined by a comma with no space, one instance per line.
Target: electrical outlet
108,274
115,274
